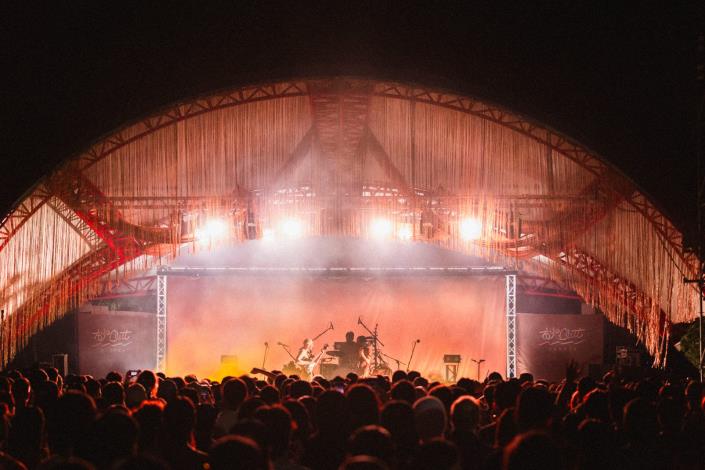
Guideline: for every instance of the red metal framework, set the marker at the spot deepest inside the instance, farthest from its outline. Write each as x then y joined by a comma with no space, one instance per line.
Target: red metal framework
566,147
20,214
339,127
339,111
130,287
180,112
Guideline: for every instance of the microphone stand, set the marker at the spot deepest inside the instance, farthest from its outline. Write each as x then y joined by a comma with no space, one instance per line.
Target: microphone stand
266,348
478,362
413,348
286,348
375,339
330,327
399,363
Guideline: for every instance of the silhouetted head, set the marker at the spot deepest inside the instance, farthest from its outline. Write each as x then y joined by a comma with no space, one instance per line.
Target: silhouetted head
234,393
436,454
235,453
532,451
404,390
465,414
301,388
350,336
279,424
398,375
332,414
364,405
534,409
113,437
372,440
70,421
148,380
135,395
179,418
430,418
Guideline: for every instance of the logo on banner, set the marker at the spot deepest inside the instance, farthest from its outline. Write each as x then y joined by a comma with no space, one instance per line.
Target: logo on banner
561,336
105,338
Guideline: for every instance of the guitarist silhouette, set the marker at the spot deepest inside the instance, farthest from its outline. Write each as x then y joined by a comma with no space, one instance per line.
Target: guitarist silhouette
305,358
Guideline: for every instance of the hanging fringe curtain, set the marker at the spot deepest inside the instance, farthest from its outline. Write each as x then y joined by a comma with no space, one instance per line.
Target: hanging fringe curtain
237,161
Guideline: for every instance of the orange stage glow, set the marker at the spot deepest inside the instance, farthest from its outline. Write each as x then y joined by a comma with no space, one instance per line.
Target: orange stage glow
236,315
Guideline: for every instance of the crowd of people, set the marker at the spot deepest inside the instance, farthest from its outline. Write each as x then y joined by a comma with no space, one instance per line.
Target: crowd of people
285,423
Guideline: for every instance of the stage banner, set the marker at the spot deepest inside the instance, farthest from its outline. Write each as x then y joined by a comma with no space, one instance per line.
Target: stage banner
546,343
115,341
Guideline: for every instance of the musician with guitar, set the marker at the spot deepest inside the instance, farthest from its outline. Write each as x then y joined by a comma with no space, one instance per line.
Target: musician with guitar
305,358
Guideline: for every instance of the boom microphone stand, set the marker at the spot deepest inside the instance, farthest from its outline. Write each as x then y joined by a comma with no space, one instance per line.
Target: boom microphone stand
285,347
376,353
329,328
413,348
266,348
399,363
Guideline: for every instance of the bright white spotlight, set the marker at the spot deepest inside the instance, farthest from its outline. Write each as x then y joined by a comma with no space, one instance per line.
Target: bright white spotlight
470,229
267,235
405,232
291,228
212,230
381,228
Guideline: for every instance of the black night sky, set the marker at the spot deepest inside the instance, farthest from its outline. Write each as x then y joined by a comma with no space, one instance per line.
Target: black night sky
619,77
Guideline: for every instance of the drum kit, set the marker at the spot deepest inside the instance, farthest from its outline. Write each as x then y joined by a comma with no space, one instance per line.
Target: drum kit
337,362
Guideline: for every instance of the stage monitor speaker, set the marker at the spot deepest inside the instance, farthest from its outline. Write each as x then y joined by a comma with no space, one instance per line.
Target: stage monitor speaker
329,370
228,359
61,362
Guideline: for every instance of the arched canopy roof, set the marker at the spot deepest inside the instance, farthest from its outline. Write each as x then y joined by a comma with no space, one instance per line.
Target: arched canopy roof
338,153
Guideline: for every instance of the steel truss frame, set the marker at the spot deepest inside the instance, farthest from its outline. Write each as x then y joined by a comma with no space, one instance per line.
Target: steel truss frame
555,141
350,114
511,305
161,344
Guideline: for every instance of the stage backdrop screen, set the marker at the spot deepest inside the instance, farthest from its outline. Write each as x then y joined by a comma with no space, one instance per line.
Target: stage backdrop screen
115,341
547,343
214,316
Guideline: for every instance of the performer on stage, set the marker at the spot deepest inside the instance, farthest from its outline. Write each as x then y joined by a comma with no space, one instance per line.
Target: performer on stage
364,358
305,356
349,351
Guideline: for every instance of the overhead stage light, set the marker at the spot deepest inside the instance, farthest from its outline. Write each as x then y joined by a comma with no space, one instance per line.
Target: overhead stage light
291,228
381,228
267,235
405,232
212,230
470,229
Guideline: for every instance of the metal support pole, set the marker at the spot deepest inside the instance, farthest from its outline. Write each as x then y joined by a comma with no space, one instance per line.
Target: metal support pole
511,290
161,322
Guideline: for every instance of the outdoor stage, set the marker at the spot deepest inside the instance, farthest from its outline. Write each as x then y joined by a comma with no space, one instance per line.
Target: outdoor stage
411,292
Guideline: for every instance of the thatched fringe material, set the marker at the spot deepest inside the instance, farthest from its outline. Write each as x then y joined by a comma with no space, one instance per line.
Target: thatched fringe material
242,160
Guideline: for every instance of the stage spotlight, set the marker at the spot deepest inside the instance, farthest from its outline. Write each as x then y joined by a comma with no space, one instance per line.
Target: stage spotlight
212,230
267,235
291,228
470,229
381,228
405,232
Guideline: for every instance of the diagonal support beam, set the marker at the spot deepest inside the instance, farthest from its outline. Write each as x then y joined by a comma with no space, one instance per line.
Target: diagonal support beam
380,155
300,151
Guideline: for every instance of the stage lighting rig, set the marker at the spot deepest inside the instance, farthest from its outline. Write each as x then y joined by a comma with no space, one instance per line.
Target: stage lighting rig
470,229
405,232
212,230
291,228
381,229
